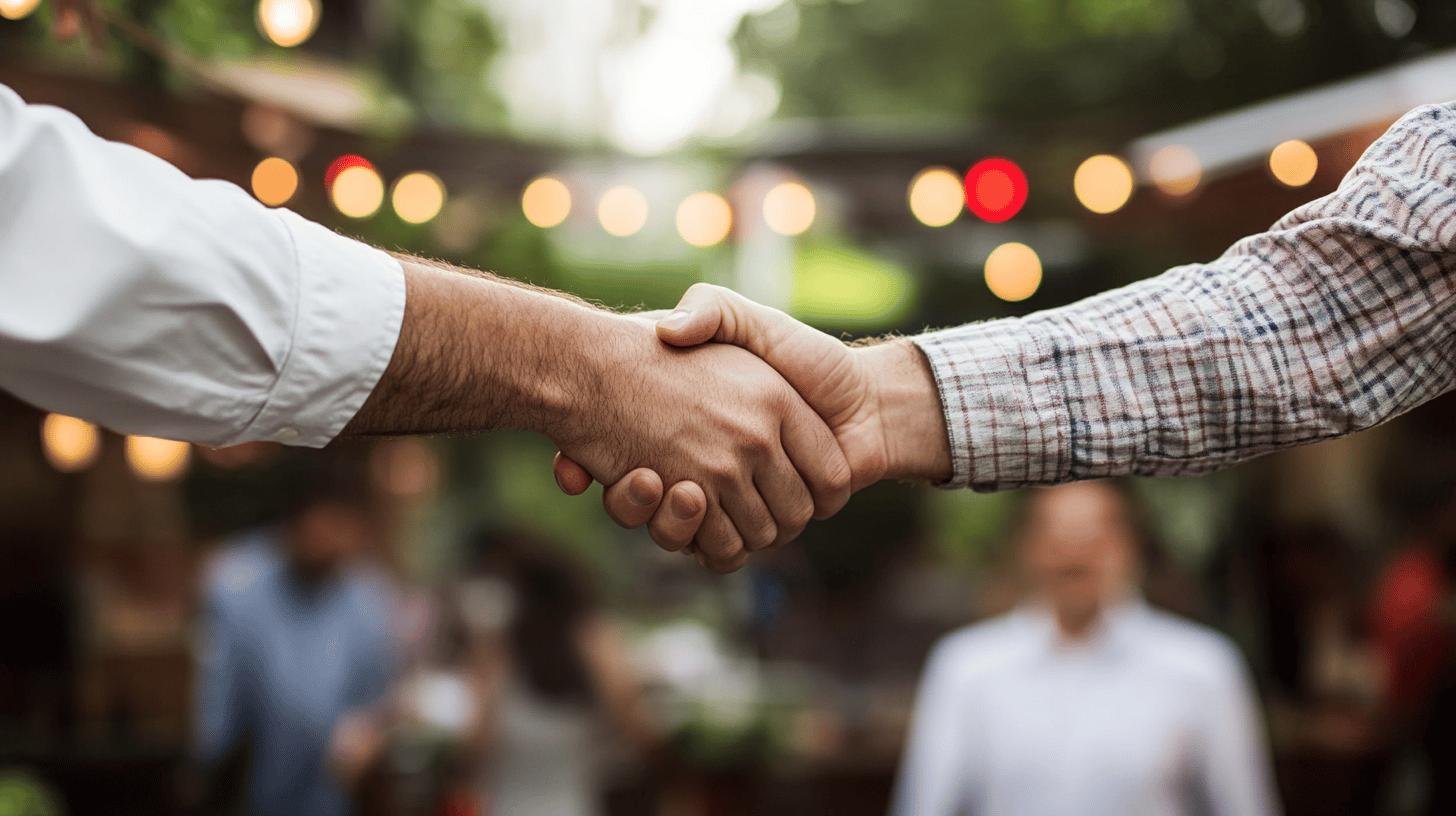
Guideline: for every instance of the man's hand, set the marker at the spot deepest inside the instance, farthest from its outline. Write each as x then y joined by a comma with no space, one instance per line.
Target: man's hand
614,398
719,417
879,400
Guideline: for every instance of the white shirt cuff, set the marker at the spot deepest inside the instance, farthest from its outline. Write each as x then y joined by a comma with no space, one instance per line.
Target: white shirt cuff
349,308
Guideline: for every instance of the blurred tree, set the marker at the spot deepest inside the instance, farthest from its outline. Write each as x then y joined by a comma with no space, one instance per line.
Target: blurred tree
1146,62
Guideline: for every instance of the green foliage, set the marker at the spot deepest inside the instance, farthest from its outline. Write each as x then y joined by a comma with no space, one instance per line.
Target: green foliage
1135,60
438,56
217,30
839,287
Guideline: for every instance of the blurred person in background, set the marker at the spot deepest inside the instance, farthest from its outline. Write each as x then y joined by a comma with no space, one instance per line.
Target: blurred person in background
1084,700
297,654
1414,623
552,675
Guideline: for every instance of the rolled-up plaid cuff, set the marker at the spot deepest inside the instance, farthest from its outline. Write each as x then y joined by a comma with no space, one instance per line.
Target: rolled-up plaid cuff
1005,410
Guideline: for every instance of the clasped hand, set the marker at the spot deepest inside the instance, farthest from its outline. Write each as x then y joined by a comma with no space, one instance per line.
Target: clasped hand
776,446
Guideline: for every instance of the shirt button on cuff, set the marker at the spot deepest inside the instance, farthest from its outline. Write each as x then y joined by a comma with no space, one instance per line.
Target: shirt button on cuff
287,435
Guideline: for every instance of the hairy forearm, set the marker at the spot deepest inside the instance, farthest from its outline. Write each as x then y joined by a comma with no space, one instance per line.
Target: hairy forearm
477,352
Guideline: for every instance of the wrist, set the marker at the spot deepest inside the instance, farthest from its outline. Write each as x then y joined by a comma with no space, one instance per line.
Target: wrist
587,354
908,410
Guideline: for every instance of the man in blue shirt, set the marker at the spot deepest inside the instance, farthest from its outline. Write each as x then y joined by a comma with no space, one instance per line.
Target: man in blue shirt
297,651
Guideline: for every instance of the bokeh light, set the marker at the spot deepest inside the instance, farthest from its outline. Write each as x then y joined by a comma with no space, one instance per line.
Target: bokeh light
274,181
418,197
157,460
789,208
288,22
70,444
17,9
546,202
622,211
704,219
936,196
1013,272
1293,163
1175,170
1103,183
341,164
996,189
358,191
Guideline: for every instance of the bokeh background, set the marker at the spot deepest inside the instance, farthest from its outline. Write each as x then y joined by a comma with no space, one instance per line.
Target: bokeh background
813,154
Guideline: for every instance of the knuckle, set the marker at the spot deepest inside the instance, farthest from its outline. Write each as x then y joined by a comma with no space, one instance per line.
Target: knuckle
840,478
723,470
802,514
764,535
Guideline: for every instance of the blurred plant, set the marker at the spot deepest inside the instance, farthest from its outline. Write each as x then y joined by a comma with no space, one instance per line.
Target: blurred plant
1155,60
22,794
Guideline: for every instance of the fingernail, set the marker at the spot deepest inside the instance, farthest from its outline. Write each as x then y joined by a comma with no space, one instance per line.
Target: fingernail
682,507
677,319
640,493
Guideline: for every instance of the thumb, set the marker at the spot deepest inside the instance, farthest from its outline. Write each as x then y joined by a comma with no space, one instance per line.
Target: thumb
707,312
697,318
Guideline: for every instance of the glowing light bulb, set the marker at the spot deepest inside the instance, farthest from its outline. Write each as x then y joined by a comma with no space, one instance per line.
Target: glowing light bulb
622,211
936,196
288,22
275,181
358,191
546,202
1103,184
70,444
1013,272
996,189
789,208
157,460
1293,163
18,9
1175,170
418,197
704,219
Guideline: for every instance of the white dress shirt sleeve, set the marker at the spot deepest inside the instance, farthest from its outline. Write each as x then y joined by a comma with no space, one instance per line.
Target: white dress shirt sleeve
1233,756
933,779
136,297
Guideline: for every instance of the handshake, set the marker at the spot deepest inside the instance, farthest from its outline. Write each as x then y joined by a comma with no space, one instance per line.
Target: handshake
728,425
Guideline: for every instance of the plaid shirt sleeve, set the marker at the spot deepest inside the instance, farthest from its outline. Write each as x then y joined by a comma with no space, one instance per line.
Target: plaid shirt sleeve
1341,316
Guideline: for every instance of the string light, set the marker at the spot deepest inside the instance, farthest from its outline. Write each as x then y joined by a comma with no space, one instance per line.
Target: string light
996,189
622,211
704,219
70,444
17,9
275,181
1103,184
1175,170
1293,163
341,164
789,208
936,196
288,22
418,197
546,202
157,460
1013,272
358,191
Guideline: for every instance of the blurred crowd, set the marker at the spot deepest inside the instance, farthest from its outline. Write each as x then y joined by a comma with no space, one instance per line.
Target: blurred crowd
299,663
